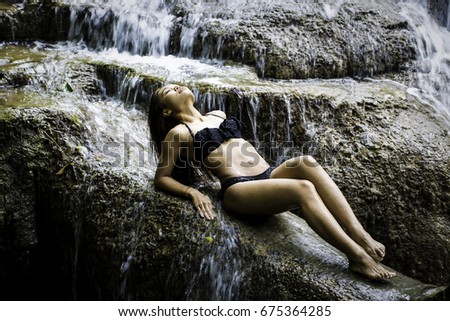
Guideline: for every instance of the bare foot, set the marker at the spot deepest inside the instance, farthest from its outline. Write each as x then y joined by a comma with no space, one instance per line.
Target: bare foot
369,268
374,248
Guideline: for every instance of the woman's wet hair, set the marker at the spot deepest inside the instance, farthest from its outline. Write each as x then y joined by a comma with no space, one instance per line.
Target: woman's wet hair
159,125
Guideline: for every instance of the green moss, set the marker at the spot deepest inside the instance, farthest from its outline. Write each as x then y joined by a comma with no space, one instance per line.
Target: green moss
76,120
15,98
16,55
110,67
5,115
153,79
7,7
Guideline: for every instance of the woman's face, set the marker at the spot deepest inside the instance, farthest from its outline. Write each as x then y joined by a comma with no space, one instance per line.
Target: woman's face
175,97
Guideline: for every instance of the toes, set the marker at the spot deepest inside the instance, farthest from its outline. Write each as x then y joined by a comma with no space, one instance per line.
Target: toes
386,274
380,255
379,251
372,270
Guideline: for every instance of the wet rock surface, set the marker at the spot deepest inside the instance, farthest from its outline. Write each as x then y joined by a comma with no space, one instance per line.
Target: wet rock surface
104,233
72,227
44,21
91,233
439,9
285,41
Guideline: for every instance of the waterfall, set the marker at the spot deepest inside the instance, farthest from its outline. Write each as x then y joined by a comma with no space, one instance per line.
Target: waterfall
284,151
253,111
146,28
431,72
139,27
188,34
209,101
126,147
138,34
220,273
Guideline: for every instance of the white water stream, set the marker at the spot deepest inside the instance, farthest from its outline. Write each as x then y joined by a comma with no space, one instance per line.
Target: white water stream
143,28
432,69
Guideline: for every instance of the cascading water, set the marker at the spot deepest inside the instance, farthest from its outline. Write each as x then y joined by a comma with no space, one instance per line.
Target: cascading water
137,34
146,28
253,115
221,272
53,77
439,9
431,72
138,27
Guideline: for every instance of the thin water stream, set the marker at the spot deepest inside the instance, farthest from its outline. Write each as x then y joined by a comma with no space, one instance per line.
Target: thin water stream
431,73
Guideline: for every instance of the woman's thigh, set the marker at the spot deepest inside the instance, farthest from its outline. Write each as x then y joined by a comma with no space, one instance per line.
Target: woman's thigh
298,167
263,197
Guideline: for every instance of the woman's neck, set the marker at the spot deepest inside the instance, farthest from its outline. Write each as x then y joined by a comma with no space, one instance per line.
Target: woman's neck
189,115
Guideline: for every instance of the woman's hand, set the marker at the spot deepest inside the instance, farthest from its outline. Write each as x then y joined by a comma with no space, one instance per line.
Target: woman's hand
202,203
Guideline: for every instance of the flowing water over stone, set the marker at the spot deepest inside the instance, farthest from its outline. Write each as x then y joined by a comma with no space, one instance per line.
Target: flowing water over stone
221,273
51,74
431,72
146,28
135,37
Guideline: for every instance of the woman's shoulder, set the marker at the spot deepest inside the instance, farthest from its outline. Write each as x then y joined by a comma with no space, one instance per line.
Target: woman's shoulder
217,113
180,131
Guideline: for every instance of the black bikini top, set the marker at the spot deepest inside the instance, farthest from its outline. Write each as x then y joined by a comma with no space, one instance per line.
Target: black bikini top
208,139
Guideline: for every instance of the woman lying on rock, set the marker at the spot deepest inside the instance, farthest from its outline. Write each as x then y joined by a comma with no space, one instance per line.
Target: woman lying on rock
249,185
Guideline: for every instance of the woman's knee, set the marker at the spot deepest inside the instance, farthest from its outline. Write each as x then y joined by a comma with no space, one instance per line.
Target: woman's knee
306,185
301,162
306,190
309,198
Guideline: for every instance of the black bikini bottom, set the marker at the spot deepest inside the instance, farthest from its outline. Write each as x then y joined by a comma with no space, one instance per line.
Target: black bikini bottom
240,179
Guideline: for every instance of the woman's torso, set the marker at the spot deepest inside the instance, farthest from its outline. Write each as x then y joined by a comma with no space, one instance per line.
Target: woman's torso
233,157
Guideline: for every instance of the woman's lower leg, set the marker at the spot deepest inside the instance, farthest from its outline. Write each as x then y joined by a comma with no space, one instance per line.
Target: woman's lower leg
272,196
326,226
307,168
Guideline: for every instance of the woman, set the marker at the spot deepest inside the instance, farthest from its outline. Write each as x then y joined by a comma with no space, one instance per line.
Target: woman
249,185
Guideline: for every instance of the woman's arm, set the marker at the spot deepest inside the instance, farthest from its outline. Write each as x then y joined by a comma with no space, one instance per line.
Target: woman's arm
171,149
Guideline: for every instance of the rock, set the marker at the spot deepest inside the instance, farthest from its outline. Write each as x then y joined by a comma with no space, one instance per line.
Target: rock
103,233
390,158
440,10
286,43
46,21
97,233
73,229
279,42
